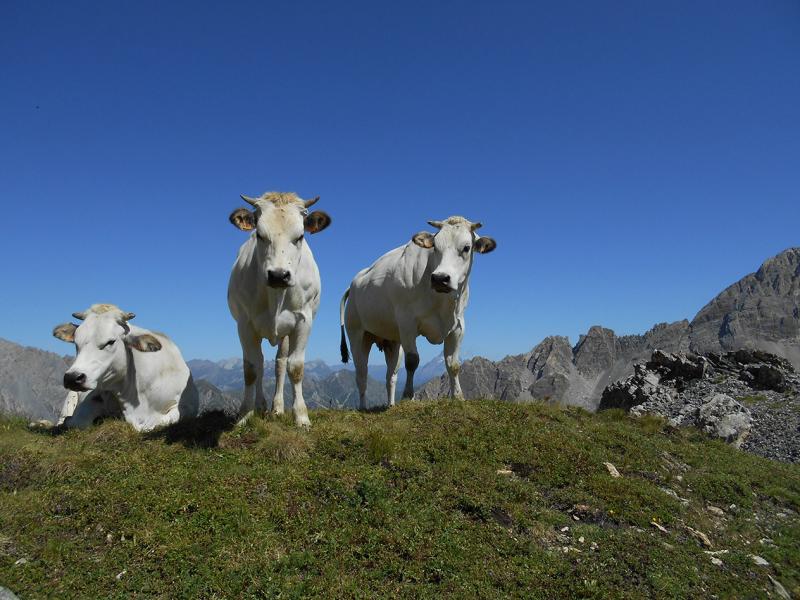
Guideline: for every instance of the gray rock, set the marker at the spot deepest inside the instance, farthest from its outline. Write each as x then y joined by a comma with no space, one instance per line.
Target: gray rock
724,417
7,594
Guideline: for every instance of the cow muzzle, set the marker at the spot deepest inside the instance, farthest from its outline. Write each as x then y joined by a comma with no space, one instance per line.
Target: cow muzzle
440,282
279,278
75,381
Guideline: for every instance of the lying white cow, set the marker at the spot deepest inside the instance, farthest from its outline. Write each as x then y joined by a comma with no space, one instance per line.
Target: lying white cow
274,293
418,289
123,370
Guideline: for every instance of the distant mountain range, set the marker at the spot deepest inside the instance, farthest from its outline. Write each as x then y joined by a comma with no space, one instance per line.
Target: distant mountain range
760,311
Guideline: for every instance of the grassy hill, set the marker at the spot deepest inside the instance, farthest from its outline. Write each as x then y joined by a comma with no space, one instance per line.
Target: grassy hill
475,499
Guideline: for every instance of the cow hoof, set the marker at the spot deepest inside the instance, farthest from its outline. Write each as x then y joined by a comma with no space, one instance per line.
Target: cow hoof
302,421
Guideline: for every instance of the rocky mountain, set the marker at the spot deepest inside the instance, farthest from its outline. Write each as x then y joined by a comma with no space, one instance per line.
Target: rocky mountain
760,311
30,381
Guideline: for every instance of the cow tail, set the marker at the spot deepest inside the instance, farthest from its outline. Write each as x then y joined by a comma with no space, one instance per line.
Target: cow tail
343,344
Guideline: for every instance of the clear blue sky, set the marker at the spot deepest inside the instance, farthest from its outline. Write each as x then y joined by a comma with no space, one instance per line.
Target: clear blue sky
630,158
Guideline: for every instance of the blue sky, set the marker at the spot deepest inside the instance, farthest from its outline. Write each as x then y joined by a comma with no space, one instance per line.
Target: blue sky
630,158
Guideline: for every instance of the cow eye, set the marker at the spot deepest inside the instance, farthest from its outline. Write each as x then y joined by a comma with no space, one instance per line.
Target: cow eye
300,239
465,249
108,344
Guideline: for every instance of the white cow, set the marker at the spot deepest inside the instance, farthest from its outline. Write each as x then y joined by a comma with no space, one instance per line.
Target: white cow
417,289
274,293
124,370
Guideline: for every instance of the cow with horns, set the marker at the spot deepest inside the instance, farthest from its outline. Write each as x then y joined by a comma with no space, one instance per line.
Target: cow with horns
274,294
122,370
420,288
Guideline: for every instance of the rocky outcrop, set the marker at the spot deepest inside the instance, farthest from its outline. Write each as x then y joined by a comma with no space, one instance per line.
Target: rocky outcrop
725,395
760,312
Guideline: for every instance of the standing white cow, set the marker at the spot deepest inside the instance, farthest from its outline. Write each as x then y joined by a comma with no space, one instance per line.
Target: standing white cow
274,293
417,289
124,370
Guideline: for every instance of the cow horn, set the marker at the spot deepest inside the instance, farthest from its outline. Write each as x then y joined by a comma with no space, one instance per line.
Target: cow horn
128,316
312,202
248,199
474,226
437,224
79,315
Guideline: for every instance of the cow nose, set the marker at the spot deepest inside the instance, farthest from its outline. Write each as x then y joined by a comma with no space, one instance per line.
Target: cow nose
440,279
73,380
278,277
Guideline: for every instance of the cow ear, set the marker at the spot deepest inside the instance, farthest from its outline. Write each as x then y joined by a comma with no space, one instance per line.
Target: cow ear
423,239
145,342
316,221
243,219
65,332
485,244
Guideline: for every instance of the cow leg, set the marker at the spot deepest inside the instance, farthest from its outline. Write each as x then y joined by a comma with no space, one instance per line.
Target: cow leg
296,363
392,352
280,374
252,358
412,362
360,344
452,344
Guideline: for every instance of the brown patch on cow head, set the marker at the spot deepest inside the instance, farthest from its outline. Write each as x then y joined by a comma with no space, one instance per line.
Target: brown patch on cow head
483,245
249,373
243,219
65,332
316,221
145,342
296,372
423,239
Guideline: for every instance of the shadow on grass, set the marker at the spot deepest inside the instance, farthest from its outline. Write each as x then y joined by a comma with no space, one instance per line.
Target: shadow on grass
201,432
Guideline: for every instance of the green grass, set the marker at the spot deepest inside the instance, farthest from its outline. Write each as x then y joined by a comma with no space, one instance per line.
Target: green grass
403,503
755,399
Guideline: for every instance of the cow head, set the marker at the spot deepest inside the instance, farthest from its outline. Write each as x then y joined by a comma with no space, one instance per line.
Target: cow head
102,340
280,221
453,247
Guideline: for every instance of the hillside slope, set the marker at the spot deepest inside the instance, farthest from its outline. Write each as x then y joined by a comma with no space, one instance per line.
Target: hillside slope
467,499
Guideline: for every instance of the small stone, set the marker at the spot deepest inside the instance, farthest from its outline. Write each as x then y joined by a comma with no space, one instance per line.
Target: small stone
109,539
593,546
576,518
700,536
564,529
20,562
7,594
717,512
581,540
659,527
779,589
505,472
612,470
716,561
761,562
119,575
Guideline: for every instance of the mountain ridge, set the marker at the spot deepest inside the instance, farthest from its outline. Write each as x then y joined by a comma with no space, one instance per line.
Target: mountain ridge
760,311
